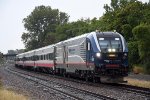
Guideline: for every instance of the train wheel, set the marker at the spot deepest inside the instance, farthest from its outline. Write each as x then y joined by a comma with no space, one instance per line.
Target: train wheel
96,79
64,74
68,75
86,78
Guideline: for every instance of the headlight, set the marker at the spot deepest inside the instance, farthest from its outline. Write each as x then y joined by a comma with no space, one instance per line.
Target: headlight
111,50
125,55
98,55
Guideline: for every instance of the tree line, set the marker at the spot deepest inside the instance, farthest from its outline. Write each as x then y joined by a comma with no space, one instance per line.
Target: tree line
46,26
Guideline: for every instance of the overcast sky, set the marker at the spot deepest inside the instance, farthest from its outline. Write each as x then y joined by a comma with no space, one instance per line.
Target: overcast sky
12,13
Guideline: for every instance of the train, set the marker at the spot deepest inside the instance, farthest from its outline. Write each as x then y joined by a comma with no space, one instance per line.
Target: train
99,56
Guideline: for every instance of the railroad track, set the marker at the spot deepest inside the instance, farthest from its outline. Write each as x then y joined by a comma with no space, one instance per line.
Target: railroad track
128,88
69,91
134,89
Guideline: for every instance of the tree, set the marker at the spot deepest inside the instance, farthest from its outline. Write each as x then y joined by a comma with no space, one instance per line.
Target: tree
40,24
133,53
127,31
72,29
142,35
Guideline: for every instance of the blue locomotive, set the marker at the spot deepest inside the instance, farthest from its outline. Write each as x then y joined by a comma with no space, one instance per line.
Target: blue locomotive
100,56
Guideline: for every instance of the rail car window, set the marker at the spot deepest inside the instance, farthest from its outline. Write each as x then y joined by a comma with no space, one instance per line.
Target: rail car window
44,57
47,56
51,56
41,57
38,57
35,58
31,58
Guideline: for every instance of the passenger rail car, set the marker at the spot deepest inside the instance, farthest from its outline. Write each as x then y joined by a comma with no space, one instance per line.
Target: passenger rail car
98,55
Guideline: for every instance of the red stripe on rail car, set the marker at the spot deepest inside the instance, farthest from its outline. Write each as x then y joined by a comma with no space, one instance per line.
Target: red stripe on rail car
91,64
112,65
44,64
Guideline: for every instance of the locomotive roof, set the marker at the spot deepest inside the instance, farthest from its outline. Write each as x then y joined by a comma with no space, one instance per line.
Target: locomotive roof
46,47
99,34
107,34
77,37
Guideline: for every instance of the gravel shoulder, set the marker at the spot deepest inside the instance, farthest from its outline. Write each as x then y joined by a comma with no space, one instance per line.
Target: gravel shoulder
139,77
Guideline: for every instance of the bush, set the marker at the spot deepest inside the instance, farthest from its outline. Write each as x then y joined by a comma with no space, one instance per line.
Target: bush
147,68
0,83
133,53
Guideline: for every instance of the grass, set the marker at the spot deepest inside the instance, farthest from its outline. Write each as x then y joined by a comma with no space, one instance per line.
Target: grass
138,69
139,83
10,95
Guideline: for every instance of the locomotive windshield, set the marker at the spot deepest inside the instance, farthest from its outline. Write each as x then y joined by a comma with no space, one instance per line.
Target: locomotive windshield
110,44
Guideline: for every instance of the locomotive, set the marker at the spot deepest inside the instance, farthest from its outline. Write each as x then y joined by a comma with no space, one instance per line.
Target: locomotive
100,56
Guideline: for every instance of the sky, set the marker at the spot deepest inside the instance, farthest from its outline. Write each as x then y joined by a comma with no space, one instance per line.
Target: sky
12,12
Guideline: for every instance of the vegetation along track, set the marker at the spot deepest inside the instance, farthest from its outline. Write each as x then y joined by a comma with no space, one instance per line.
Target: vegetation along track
69,91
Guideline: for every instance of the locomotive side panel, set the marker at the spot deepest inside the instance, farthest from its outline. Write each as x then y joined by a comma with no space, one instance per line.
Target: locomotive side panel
76,53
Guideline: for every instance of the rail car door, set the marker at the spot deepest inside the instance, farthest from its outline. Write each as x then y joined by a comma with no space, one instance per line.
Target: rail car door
34,59
55,49
65,55
88,53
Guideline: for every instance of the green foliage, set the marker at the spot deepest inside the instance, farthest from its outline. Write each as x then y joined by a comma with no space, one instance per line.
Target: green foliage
133,53
127,31
40,24
73,29
124,15
142,34
147,67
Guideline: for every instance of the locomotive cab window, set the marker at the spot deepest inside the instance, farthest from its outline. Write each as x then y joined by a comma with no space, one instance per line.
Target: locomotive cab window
110,44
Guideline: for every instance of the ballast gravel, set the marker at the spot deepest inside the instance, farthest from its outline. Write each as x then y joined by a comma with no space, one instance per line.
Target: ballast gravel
37,92
30,89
